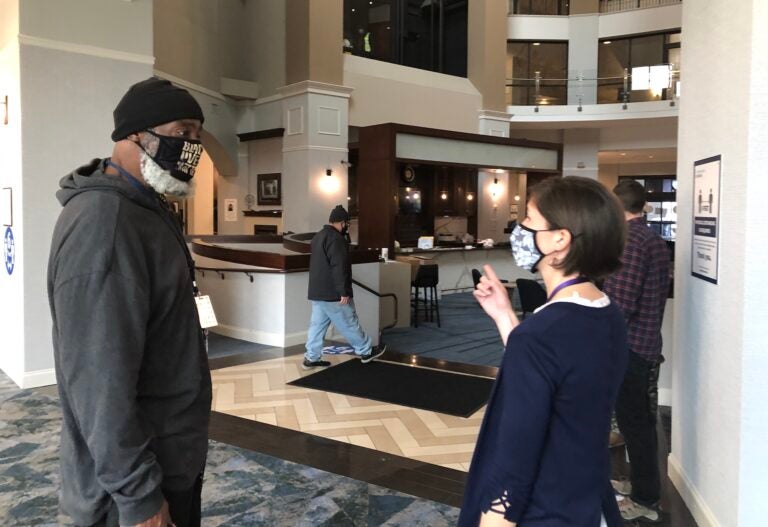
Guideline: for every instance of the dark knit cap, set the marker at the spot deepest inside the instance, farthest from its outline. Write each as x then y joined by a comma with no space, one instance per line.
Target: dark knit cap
153,102
338,214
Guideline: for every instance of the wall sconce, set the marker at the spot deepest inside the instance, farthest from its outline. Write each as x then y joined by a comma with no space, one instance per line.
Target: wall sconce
517,197
495,187
329,184
4,102
470,196
444,195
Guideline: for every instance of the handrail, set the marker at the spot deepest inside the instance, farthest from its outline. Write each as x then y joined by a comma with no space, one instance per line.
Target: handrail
617,6
380,295
248,272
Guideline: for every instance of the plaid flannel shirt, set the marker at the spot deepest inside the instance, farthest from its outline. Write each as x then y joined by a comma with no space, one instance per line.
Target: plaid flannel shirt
640,288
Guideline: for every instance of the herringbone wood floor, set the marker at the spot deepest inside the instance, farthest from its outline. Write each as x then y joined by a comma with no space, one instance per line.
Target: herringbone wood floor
259,391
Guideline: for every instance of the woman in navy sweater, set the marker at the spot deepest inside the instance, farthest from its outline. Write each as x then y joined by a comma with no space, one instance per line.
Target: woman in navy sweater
541,458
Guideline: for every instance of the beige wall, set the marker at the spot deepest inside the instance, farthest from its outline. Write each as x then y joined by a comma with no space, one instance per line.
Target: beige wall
487,50
200,205
9,22
384,93
267,46
584,7
186,40
313,41
100,23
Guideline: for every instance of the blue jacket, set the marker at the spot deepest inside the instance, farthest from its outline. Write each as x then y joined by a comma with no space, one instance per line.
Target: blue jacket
543,446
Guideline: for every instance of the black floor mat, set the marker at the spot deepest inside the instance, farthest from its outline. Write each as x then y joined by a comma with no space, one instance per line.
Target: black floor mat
438,391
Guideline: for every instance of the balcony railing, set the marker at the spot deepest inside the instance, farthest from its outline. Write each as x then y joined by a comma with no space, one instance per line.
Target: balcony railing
649,86
614,6
539,7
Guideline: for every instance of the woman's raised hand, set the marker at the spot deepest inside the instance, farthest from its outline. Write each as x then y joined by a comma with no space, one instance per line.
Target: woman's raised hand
494,299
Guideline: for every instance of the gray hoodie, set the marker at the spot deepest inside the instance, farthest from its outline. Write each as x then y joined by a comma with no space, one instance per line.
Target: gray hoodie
130,356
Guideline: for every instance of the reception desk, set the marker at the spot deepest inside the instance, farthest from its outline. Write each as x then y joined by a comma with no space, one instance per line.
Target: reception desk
258,287
456,264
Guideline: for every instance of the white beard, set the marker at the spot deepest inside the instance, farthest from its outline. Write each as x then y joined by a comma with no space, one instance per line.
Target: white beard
162,181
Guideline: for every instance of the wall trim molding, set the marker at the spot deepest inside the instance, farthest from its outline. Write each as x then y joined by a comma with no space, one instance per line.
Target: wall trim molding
278,340
316,147
84,49
190,85
493,115
319,88
37,378
690,494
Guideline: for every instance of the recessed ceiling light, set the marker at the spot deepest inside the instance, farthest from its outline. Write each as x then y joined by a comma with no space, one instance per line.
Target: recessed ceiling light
537,43
607,42
650,157
623,154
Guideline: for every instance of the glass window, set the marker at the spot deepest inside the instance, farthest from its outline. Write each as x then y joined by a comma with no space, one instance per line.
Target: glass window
528,60
424,34
368,29
539,7
616,55
612,59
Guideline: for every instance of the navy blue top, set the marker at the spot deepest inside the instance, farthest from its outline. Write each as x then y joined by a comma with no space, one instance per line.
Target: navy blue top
542,453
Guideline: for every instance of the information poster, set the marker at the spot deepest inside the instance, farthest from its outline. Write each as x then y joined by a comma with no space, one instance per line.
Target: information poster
706,219
230,210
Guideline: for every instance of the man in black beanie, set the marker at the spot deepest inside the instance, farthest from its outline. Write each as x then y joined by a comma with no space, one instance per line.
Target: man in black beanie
131,363
330,291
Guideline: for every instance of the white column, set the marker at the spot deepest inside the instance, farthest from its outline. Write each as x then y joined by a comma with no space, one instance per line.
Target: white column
315,118
719,393
580,148
582,58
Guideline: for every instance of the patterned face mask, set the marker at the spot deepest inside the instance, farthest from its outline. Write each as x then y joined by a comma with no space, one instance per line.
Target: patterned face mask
524,248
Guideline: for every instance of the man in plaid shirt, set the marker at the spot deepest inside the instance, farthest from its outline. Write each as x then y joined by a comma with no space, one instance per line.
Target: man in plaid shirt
640,289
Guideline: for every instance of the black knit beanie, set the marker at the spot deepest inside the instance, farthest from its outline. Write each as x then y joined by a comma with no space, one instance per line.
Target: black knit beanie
150,103
338,214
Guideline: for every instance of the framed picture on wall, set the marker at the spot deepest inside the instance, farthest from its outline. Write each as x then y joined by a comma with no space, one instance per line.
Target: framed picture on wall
268,189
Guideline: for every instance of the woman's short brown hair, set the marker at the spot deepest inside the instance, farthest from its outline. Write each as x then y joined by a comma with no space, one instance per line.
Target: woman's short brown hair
593,216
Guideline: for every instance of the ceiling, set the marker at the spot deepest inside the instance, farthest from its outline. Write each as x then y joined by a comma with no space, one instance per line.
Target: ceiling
648,155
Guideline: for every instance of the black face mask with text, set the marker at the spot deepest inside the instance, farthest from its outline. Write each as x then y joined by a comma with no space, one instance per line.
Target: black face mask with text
177,155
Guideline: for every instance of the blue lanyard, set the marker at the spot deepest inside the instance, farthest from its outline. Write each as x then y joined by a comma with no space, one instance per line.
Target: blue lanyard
130,178
567,283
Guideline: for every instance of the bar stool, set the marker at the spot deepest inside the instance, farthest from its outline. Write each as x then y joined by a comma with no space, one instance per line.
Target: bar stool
426,279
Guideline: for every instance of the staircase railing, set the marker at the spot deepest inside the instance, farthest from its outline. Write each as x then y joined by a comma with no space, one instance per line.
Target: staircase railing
381,295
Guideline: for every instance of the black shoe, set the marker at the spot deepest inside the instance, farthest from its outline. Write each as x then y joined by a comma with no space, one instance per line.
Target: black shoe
378,351
308,365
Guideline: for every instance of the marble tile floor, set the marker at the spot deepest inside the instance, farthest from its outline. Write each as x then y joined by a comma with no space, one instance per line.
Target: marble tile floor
243,487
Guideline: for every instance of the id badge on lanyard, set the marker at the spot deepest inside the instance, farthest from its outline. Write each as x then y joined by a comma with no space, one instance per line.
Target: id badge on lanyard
205,312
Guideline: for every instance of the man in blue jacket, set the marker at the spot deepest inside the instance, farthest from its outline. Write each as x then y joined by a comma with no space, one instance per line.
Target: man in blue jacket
131,364
330,291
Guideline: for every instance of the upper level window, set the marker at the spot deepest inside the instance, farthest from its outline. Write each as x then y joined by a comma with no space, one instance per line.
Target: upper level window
529,61
539,7
616,55
424,34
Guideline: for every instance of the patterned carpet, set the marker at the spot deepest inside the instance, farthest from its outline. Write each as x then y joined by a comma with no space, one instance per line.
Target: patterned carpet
242,488
467,335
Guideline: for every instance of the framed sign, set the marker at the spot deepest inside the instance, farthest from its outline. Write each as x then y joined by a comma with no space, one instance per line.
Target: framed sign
705,251
230,210
268,190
